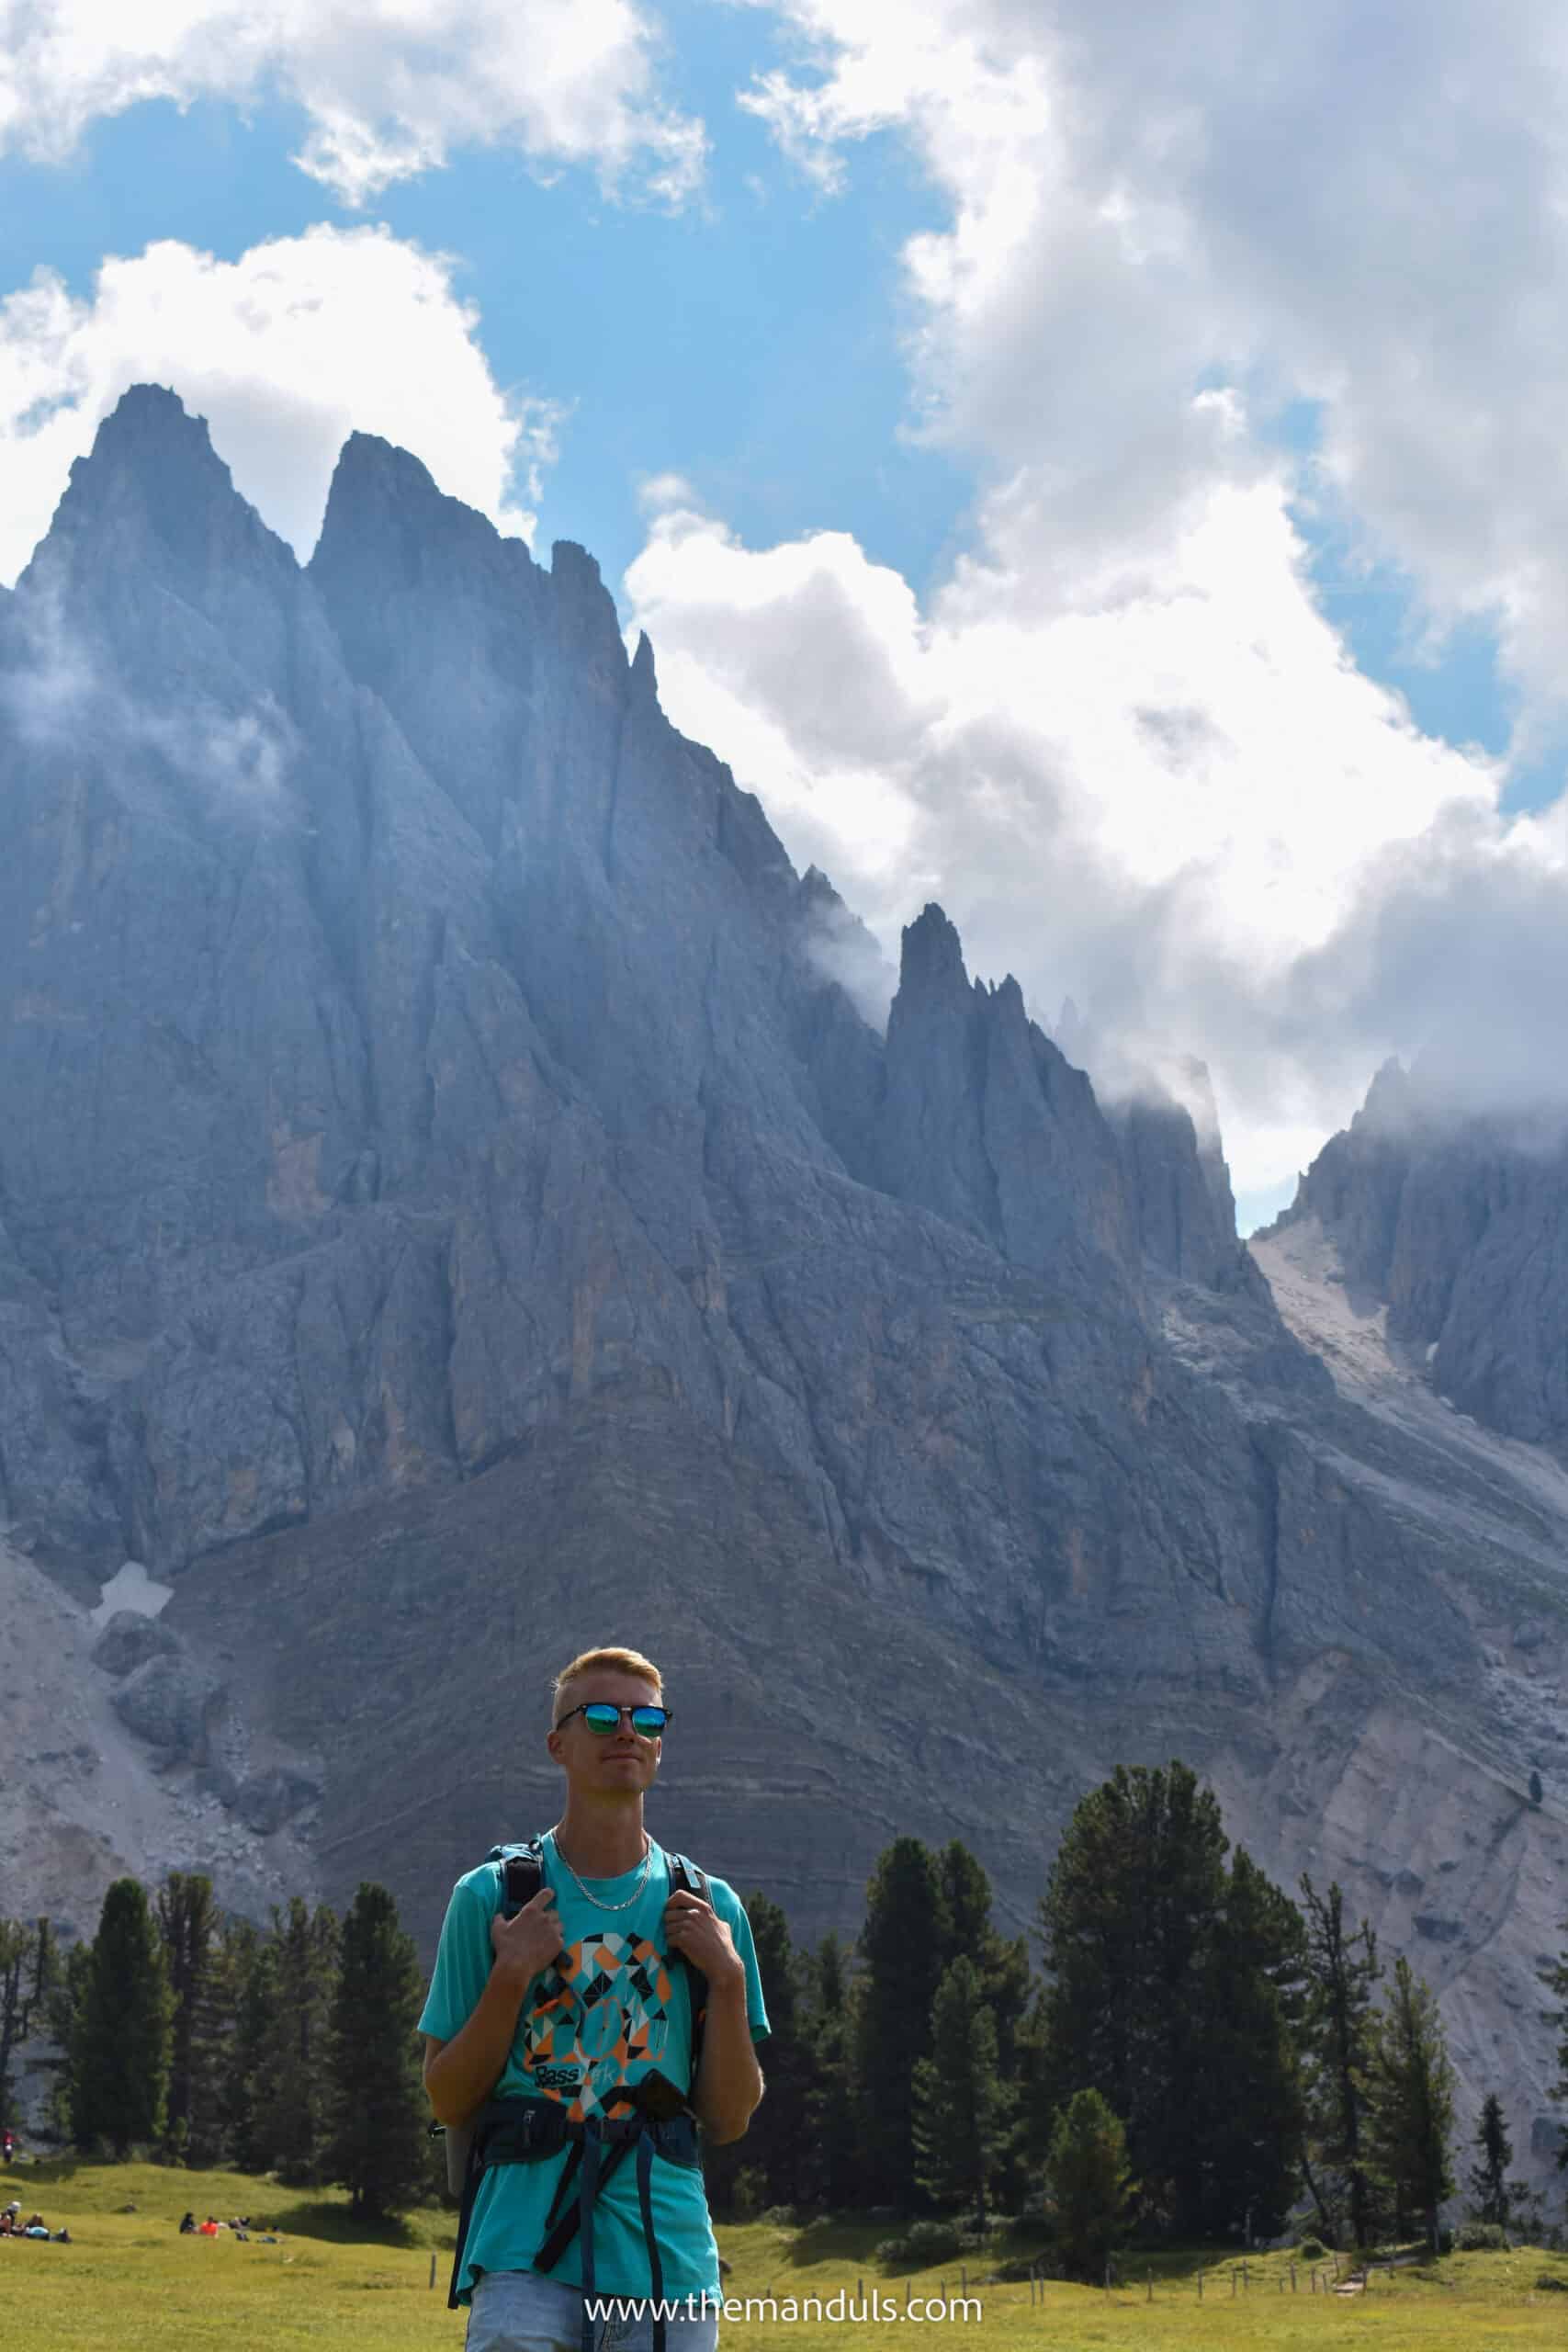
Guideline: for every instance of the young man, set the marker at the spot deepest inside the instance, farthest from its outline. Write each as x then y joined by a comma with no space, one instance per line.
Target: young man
566,2017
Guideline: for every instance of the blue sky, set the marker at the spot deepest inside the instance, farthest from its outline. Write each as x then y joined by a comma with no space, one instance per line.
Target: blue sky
750,343
1072,672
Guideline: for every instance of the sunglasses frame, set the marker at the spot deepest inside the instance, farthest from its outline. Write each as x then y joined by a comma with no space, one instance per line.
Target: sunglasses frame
633,1712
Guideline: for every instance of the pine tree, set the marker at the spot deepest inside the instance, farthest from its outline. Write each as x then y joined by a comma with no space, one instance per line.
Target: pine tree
212,2046
64,2006
1342,1968
1554,1977
965,1918
376,2111
1245,2150
1128,1922
833,2170
1410,2087
779,2139
120,2062
30,1965
968,1932
292,2085
1489,2178
250,1961
905,1934
186,1921
961,2109
1089,2185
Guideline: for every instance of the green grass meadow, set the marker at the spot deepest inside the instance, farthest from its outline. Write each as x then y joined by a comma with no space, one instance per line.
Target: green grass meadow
128,2282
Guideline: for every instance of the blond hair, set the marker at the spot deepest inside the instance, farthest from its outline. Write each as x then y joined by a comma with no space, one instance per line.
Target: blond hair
586,1661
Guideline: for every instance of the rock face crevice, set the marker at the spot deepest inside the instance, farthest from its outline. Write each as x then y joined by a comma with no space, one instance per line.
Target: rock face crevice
460,1194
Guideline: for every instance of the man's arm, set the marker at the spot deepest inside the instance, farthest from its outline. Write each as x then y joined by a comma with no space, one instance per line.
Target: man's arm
729,2081
459,2074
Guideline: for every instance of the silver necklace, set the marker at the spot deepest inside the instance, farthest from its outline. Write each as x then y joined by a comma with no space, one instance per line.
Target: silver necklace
597,1900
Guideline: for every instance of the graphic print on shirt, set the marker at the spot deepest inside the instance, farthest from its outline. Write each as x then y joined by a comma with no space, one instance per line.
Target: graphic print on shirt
602,2018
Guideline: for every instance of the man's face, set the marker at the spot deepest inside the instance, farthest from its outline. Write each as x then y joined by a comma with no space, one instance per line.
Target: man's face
620,1760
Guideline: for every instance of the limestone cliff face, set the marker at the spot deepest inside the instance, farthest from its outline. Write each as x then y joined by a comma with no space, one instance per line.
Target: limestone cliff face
452,1209
1457,1221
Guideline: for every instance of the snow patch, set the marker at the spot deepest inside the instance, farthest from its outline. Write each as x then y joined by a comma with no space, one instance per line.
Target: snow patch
131,1587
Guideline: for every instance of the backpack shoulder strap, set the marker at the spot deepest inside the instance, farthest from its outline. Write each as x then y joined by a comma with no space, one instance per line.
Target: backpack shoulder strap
522,1874
687,1876
685,1873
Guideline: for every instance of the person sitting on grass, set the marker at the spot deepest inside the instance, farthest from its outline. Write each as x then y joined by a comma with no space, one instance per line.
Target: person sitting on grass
187,2224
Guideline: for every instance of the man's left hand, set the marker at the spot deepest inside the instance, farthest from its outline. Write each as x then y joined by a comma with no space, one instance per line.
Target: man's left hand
694,1930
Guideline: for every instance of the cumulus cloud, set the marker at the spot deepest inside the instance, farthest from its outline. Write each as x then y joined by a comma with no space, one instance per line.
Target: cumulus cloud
1121,740
1185,808
389,87
284,351
1365,210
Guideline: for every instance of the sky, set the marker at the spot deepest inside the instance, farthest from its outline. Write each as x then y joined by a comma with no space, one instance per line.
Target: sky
1094,463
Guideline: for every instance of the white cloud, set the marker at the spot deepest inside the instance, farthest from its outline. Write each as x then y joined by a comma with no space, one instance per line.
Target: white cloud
1185,808
389,87
1367,209
1120,741
285,352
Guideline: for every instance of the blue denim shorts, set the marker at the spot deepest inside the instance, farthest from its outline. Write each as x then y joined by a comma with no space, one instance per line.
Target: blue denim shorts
521,2310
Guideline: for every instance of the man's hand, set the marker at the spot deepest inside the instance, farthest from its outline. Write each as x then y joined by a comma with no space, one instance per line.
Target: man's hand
694,1930
524,1946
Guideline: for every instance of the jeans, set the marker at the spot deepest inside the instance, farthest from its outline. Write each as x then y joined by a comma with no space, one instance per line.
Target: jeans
521,2310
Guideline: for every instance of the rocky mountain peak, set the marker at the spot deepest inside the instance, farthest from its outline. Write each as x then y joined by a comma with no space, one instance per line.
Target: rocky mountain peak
932,963
152,499
1394,1101
385,511
150,435
644,678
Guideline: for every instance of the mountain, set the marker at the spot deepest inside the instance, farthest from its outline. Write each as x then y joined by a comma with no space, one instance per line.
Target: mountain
454,1209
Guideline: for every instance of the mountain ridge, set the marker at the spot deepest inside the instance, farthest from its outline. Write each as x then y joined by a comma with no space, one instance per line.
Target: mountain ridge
451,1207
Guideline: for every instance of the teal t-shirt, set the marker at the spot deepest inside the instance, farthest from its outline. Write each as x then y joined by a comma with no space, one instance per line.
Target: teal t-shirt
610,2009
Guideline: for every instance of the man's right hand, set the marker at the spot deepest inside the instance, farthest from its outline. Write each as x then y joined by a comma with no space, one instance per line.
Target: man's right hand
526,1946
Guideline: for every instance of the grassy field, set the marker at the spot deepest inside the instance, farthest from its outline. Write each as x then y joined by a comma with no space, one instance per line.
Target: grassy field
128,2282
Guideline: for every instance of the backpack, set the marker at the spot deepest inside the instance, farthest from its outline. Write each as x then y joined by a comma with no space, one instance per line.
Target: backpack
522,1877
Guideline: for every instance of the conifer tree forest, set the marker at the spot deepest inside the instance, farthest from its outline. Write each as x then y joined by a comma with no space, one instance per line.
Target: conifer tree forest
1190,2053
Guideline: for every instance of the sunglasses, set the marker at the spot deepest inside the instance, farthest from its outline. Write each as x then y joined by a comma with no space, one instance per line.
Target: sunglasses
603,1720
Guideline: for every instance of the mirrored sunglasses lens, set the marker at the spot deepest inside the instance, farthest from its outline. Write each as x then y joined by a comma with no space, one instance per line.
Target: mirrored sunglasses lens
602,1719
647,1722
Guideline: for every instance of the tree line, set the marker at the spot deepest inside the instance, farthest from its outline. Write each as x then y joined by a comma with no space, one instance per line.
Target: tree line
198,2038
1198,2056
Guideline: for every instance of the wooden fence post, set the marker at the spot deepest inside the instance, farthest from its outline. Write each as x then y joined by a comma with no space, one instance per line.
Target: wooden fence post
432,2270
1199,2286
1149,2286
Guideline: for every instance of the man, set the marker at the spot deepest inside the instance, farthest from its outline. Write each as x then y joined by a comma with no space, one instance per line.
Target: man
575,2004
